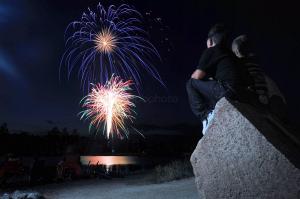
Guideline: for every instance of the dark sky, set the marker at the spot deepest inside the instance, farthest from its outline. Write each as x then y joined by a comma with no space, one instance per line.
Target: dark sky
32,42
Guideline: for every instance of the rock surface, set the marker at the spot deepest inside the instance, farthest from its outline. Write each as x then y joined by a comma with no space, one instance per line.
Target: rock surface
237,158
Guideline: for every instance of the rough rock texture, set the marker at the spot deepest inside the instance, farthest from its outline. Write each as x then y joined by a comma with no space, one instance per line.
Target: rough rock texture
237,158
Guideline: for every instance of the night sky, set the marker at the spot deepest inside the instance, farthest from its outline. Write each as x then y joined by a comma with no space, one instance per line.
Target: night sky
32,42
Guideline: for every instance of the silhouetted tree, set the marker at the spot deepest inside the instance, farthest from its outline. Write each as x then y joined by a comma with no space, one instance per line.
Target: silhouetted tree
65,131
54,132
4,129
75,132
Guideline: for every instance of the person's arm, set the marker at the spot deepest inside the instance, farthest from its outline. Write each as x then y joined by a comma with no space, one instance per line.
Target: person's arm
203,65
198,74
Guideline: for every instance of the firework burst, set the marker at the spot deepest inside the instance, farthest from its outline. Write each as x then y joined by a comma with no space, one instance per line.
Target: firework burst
108,106
105,42
109,41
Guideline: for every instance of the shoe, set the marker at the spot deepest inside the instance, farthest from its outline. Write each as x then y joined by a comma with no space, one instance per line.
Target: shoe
207,121
210,117
204,125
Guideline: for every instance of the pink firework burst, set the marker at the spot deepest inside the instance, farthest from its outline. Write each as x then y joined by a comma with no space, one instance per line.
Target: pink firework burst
108,106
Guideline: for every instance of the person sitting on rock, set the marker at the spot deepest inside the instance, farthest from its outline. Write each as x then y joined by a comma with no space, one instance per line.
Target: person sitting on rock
264,91
217,75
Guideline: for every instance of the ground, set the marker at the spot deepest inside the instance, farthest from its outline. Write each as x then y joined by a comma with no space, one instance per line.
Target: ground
127,188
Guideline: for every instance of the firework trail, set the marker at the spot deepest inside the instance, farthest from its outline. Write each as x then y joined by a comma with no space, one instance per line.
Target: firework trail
109,106
109,41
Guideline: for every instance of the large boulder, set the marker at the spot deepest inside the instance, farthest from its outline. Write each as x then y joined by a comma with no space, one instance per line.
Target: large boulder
245,153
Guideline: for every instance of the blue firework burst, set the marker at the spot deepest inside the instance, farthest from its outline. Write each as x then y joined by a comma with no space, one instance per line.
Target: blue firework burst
109,41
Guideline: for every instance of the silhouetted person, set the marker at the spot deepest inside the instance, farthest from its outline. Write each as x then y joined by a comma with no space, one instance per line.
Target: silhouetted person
217,75
261,87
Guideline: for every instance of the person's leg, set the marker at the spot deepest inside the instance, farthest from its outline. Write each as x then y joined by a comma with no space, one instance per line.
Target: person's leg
218,91
197,100
203,95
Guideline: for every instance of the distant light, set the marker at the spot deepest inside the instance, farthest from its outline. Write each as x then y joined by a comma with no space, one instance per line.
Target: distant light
109,160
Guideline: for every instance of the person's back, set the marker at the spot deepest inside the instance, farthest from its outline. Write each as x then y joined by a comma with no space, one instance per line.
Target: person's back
218,62
256,80
230,72
265,90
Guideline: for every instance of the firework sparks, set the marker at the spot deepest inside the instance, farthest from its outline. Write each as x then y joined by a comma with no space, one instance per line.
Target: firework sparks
105,42
109,106
109,41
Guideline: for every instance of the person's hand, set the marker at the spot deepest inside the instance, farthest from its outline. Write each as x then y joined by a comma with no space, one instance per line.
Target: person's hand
198,74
